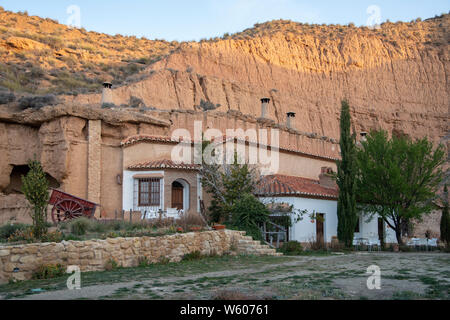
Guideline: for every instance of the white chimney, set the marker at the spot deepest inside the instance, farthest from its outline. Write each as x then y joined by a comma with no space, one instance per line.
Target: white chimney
264,104
363,136
107,93
290,116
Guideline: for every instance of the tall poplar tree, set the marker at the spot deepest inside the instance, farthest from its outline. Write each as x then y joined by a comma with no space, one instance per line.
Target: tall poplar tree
346,180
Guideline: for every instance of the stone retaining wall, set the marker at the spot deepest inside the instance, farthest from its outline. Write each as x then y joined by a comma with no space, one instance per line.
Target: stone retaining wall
20,261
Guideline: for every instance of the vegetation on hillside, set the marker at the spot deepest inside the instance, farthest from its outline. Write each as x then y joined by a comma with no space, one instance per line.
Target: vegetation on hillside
41,56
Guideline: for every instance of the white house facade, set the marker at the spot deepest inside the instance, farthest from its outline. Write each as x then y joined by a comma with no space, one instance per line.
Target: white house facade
319,199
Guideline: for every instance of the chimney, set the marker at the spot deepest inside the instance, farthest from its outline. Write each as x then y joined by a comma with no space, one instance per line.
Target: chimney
107,93
290,115
326,178
363,136
264,104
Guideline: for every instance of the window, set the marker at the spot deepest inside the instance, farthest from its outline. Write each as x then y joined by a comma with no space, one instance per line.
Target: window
149,192
357,226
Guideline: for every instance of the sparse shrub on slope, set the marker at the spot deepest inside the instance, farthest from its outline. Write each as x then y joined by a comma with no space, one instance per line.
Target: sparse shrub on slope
37,102
6,97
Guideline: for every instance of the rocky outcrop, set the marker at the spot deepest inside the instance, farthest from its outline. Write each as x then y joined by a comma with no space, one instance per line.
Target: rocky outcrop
397,81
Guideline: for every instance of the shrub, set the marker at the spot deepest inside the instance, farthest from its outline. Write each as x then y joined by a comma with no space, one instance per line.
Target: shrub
96,226
8,230
80,226
49,271
23,235
291,248
188,221
143,262
315,245
35,188
37,102
7,97
248,213
196,255
108,106
206,105
55,236
404,248
111,264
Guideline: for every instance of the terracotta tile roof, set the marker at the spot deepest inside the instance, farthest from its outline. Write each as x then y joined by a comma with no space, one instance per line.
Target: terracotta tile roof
164,164
281,185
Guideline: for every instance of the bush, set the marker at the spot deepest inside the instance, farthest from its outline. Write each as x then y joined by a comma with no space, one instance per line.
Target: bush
49,271
37,102
196,255
143,262
111,264
7,97
187,221
55,236
23,235
80,226
404,248
35,188
248,214
8,230
291,248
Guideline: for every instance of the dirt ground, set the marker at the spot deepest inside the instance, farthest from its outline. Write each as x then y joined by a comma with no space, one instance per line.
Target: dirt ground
402,276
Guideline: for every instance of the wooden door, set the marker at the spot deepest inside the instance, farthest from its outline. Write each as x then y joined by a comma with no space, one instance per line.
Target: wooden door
177,197
319,228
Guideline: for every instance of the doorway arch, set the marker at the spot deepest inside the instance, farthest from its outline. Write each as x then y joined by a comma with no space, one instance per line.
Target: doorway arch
180,195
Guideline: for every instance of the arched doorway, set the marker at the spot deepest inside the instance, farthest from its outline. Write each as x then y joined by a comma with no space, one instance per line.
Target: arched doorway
180,195
177,195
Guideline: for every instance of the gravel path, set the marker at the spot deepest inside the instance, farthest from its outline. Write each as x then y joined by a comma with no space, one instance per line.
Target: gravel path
347,273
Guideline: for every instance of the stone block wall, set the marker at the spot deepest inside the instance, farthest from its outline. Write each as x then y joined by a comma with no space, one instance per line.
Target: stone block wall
20,261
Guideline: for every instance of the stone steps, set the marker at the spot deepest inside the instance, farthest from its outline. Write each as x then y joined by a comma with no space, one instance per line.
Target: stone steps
246,245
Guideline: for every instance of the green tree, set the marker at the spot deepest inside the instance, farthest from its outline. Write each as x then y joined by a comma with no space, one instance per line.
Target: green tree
346,180
35,188
445,220
398,178
248,214
226,183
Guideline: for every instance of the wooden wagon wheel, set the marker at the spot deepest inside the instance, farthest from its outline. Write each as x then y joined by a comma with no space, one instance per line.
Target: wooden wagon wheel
66,209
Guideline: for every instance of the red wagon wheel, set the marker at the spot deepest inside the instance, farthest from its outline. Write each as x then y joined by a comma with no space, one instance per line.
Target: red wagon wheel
66,209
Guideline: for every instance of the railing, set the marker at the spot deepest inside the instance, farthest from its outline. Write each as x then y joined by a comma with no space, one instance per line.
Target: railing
281,231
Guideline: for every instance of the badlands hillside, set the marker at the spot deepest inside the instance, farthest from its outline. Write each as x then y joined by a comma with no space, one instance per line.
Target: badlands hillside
395,77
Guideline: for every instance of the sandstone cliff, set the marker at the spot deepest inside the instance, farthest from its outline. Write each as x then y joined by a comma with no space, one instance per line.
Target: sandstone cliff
395,78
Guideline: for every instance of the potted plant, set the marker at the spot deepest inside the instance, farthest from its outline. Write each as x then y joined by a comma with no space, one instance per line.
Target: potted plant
179,229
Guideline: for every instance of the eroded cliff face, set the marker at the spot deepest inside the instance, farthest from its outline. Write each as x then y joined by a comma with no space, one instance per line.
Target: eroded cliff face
395,78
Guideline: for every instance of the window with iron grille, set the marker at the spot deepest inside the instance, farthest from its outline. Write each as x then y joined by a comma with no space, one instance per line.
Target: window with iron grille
149,192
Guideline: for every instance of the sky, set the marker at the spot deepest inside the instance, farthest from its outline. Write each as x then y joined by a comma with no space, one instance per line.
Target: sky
186,20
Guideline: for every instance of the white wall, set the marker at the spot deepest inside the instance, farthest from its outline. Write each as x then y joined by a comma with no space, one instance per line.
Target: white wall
368,228
305,230
128,190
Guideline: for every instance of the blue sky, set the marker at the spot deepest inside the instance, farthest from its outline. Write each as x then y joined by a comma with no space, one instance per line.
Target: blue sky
195,19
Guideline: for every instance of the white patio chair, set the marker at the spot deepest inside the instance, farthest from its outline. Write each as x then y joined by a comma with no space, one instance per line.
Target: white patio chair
374,242
423,243
432,243
357,243
172,213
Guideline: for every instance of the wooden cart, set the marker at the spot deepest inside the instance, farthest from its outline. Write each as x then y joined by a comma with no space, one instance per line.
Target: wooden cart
67,207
